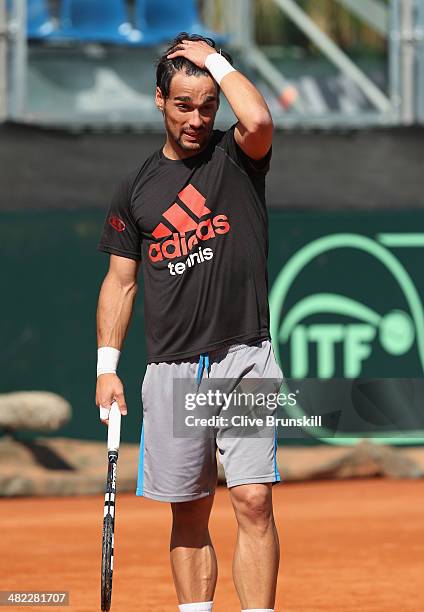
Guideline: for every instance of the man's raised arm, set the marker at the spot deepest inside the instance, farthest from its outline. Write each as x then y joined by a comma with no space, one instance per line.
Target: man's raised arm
115,305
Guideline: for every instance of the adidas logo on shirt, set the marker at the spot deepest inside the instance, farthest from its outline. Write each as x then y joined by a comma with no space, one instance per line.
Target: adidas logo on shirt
177,243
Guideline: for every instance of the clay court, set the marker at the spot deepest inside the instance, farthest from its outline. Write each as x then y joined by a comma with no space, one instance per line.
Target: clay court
346,546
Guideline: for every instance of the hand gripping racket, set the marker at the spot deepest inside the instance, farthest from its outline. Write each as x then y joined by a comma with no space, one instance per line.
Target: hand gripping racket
113,439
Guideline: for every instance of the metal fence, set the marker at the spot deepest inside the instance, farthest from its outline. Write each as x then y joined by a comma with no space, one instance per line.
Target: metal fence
397,101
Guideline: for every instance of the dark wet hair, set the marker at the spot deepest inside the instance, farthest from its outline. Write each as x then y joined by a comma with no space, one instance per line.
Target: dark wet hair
166,68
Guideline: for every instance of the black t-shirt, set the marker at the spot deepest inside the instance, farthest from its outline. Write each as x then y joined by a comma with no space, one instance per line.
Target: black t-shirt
200,227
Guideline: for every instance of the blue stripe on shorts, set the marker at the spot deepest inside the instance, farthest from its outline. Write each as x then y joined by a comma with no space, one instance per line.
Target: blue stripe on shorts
276,472
140,478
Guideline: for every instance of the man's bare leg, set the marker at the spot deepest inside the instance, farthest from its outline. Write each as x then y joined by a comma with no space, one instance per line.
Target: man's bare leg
193,559
257,552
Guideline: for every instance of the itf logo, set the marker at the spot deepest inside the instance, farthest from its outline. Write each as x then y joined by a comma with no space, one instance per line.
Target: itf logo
345,306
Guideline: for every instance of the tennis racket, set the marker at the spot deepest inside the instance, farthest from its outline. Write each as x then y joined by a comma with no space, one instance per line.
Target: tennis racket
113,439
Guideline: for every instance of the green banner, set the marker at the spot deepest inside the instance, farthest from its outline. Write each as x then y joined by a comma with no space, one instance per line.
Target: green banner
346,297
346,291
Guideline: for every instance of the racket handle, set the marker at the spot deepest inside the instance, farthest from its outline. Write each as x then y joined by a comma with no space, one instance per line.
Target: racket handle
114,429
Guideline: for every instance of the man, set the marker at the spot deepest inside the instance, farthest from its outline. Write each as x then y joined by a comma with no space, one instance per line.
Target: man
194,213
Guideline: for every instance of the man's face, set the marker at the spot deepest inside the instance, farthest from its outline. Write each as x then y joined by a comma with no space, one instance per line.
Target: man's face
189,111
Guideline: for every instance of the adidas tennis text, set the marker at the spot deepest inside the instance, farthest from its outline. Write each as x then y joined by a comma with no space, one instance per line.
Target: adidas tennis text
179,245
200,256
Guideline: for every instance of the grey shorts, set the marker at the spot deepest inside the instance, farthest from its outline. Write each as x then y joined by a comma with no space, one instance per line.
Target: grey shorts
177,469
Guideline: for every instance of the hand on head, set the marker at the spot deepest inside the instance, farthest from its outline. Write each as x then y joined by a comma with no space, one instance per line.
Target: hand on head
195,51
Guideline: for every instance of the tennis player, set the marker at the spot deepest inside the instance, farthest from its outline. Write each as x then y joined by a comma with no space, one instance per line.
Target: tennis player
194,214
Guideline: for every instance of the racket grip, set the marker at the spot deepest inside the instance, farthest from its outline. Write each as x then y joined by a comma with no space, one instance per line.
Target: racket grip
114,429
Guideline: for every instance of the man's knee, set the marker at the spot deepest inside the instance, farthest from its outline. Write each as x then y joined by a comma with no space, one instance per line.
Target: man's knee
253,505
192,515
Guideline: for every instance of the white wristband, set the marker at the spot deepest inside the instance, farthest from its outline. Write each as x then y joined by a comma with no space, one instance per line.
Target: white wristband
218,66
107,360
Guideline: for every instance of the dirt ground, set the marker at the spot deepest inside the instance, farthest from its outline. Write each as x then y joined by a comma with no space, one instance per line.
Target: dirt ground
346,546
